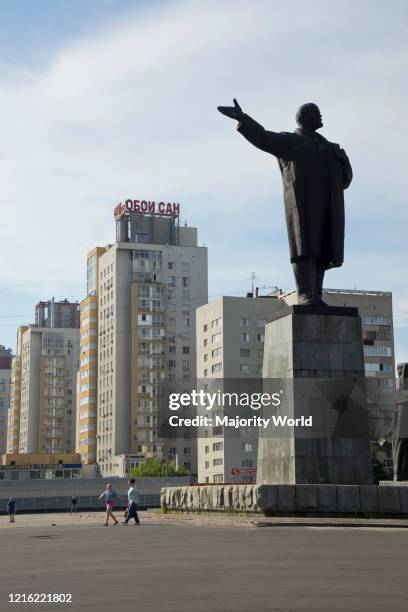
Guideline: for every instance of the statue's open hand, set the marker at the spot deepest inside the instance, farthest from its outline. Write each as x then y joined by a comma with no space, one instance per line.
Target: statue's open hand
233,112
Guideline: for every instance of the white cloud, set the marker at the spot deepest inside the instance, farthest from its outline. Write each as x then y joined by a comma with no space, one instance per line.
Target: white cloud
130,109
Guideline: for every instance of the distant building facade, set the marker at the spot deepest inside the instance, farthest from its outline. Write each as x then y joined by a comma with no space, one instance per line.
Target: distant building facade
5,382
230,344
144,292
57,314
87,377
375,308
43,388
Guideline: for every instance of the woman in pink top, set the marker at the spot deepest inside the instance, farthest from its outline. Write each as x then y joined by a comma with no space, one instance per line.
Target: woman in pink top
110,495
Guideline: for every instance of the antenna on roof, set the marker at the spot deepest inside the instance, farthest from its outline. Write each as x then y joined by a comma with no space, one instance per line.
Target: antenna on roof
253,278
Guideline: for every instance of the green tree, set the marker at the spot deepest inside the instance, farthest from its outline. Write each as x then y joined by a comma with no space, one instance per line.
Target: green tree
156,467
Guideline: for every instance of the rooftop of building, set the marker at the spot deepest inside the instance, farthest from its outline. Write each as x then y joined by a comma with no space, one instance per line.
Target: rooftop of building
357,292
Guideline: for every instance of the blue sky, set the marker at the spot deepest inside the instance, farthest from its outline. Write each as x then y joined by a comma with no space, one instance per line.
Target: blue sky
102,100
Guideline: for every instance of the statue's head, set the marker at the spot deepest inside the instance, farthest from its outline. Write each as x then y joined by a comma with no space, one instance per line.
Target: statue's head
309,116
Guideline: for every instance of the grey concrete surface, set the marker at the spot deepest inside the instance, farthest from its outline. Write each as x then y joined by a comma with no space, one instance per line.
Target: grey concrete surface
179,568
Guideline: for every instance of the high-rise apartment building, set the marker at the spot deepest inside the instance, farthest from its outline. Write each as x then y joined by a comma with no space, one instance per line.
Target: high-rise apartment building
57,314
148,286
5,378
375,309
230,342
87,377
230,346
43,390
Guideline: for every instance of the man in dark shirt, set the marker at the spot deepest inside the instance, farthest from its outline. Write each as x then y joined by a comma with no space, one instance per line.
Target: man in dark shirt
11,509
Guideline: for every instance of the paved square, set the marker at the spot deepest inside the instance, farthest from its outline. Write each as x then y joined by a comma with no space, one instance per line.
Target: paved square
180,567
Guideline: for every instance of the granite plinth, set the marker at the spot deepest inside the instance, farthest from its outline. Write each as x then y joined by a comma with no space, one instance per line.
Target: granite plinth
316,354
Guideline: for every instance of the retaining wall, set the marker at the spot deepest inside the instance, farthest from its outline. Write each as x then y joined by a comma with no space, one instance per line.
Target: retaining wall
270,499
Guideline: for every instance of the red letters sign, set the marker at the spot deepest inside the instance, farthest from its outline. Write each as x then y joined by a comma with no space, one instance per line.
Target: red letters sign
168,209
236,471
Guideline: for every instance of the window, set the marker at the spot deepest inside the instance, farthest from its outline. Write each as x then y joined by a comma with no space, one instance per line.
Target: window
187,450
371,335
216,352
247,447
205,341
378,367
218,446
205,328
262,322
205,357
170,265
245,337
205,373
377,351
216,337
186,281
218,461
186,350
244,322
207,465
244,352
218,478
217,367
375,320
261,337
186,267
216,322
206,450
172,348
244,367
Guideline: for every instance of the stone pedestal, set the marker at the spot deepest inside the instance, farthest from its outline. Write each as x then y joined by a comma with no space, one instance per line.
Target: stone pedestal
314,355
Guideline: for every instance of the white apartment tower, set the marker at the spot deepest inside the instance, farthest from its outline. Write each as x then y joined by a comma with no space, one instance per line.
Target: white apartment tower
43,390
375,309
230,343
149,284
230,346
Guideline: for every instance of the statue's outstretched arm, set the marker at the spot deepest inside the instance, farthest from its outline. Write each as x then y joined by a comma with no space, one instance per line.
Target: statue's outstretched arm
276,143
279,144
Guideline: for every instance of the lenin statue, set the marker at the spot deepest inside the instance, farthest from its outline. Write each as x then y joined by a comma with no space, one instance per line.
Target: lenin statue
315,173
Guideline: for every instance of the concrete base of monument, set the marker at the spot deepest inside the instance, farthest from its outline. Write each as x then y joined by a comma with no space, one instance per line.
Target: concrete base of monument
315,356
288,499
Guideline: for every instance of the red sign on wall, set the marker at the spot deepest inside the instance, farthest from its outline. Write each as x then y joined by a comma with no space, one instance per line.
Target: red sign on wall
235,471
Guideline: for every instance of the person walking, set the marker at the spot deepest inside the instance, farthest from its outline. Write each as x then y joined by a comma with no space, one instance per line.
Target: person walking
133,495
11,509
73,504
109,496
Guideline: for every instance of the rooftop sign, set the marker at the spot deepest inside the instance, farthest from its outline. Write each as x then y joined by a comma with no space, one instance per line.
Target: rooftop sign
147,207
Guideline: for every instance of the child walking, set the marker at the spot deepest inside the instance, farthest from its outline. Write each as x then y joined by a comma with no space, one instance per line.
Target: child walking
109,495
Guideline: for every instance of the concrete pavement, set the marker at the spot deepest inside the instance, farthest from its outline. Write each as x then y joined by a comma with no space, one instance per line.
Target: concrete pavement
176,567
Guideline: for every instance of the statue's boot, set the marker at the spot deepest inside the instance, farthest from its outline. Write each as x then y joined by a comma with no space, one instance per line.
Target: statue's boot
309,275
